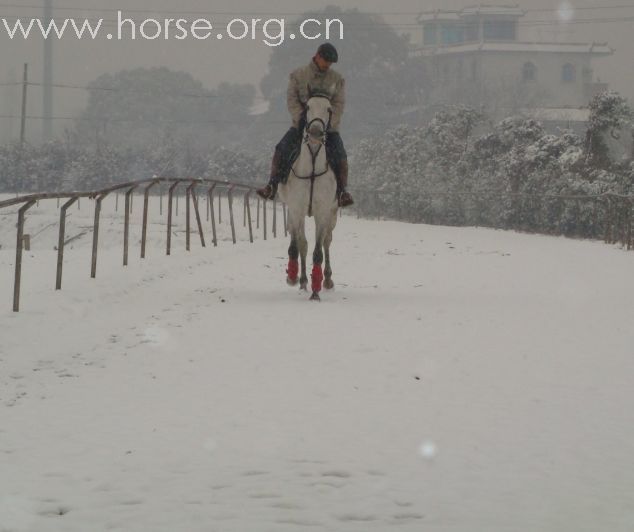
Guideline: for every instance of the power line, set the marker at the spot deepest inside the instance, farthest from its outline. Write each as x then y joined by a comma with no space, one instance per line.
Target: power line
139,91
111,23
540,9
103,120
117,89
144,121
298,13
205,12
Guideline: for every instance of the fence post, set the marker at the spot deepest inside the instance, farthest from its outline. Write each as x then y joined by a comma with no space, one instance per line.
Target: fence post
275,217
188,194
95,235
210,195
18,255
248,209
170,200
231,220
257,225
197,213
126,224
220,207
146,199
61,242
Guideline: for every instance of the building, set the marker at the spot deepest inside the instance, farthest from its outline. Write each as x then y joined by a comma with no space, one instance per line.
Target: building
476,57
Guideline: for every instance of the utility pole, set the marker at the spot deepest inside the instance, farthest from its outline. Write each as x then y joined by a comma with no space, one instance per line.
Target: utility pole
25,84
47,108
10,102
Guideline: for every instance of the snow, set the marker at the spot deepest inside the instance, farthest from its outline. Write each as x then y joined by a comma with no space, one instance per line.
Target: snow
457,379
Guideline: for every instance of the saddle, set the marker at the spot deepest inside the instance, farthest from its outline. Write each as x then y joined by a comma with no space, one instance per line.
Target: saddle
286,164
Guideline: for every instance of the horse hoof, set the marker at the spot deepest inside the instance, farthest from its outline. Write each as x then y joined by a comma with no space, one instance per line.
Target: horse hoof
328,284
291,282
315,297
303,286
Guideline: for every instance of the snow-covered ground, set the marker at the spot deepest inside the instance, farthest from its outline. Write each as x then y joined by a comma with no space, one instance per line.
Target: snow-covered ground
457,379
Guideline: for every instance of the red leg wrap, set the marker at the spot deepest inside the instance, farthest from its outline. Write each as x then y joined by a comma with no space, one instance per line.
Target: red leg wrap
293,269
317,277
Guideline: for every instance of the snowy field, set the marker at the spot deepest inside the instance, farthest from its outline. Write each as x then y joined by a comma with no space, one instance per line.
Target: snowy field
457,379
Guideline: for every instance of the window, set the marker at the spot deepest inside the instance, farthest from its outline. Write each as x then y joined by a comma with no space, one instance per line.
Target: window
499,30
471,32
568,73
451,33
529,72
429,34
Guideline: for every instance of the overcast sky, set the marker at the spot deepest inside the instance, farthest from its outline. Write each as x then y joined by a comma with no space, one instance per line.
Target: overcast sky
213,61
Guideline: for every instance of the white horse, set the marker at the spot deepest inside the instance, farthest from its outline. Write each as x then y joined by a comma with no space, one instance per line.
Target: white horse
311,190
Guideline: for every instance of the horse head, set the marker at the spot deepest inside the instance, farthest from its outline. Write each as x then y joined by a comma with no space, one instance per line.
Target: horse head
318,116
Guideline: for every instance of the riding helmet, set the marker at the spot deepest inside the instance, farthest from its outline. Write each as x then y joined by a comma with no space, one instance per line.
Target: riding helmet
328,52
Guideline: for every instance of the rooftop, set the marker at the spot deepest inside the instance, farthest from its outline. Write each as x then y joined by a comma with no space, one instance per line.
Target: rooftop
472,11
508,47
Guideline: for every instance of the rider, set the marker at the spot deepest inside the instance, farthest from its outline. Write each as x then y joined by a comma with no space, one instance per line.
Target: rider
317,76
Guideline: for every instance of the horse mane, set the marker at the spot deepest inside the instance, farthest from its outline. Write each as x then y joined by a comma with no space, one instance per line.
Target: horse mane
318,94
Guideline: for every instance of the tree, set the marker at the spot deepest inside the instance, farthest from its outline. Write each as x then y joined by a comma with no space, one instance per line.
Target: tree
132,107
609,114
373,60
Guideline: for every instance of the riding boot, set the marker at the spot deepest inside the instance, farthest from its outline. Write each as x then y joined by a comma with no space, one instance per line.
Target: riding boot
345,199
270,190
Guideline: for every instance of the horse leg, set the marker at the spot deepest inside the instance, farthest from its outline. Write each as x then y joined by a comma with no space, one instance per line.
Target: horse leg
328,284
303,251
317,274
293,262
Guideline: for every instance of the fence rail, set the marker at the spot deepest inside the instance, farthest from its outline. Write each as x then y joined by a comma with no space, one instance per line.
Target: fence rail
607,217
213,188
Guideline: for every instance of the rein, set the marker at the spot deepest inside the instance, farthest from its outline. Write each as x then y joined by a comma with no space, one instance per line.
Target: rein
322,144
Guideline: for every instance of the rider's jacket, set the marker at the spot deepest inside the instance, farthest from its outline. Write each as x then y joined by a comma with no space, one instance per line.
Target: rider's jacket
309,78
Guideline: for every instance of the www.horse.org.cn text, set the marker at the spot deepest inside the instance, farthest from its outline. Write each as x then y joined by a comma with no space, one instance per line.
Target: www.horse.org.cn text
273,31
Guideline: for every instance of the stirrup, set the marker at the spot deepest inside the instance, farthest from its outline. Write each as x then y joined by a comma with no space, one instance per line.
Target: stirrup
345,199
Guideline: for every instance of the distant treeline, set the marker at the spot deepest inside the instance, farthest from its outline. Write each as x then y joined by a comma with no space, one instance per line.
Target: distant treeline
458,169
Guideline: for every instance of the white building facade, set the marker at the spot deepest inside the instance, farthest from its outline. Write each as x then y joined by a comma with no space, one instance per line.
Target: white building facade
475,57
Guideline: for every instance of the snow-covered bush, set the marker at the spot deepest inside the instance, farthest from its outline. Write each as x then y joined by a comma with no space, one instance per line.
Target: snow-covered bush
507,176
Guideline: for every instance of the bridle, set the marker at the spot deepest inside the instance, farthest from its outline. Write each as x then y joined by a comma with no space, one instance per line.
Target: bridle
322,140
314,154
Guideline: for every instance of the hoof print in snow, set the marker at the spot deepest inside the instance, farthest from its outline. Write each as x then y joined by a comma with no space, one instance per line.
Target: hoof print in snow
55,512
407,517
336,474
356,517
